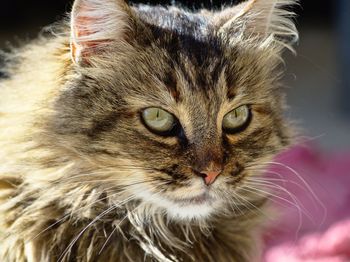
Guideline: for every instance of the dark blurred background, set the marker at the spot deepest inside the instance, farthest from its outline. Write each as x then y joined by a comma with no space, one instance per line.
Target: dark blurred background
318,78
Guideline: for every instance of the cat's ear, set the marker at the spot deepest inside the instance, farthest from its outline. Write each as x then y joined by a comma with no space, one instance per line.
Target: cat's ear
95,24
259,19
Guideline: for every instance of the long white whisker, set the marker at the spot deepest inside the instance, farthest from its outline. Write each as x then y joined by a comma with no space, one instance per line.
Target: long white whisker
278,187
71,244
252,189
84,207
120,222
263,192
82,232
115,228
251,204
307,186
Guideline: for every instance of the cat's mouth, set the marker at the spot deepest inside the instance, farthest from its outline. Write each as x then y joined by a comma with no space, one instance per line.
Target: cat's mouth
201,199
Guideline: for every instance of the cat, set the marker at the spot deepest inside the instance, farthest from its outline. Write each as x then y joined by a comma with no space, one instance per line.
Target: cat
132,132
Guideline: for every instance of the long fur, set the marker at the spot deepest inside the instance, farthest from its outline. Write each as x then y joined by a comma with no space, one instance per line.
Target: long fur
75,187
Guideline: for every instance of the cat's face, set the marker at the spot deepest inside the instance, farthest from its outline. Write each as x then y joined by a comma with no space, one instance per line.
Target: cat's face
174,116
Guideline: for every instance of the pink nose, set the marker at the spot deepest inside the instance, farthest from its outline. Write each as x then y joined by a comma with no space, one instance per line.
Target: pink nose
210,176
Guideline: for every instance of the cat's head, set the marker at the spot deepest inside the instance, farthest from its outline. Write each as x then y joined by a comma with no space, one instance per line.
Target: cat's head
177,108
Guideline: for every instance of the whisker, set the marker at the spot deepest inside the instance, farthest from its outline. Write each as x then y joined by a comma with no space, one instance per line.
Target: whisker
251,204
284,181
82,232
114,180
107,211
87,206
110,235
293,171
307,187
264,193
296,205
116,227
278,187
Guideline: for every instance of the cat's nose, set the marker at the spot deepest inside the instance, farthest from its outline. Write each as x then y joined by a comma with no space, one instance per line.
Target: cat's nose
210,176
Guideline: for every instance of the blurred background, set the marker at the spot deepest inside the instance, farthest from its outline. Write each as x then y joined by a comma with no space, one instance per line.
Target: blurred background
318,78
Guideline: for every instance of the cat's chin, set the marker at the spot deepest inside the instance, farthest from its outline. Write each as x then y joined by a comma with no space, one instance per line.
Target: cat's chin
197,207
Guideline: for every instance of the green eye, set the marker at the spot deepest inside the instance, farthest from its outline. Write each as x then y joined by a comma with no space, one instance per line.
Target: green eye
236,120
158,120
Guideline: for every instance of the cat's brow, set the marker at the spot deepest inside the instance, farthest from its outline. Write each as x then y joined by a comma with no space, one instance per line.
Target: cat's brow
171,84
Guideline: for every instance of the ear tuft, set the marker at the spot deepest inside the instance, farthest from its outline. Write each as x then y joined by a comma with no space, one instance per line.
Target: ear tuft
95,24
260,19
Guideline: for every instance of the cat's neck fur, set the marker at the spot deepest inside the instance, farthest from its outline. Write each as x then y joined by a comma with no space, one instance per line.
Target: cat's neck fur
122,234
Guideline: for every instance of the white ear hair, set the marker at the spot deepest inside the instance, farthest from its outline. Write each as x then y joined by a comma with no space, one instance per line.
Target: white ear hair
95,23
261,18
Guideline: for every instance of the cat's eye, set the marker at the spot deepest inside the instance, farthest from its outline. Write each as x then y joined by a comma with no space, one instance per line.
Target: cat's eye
158,120
236,120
